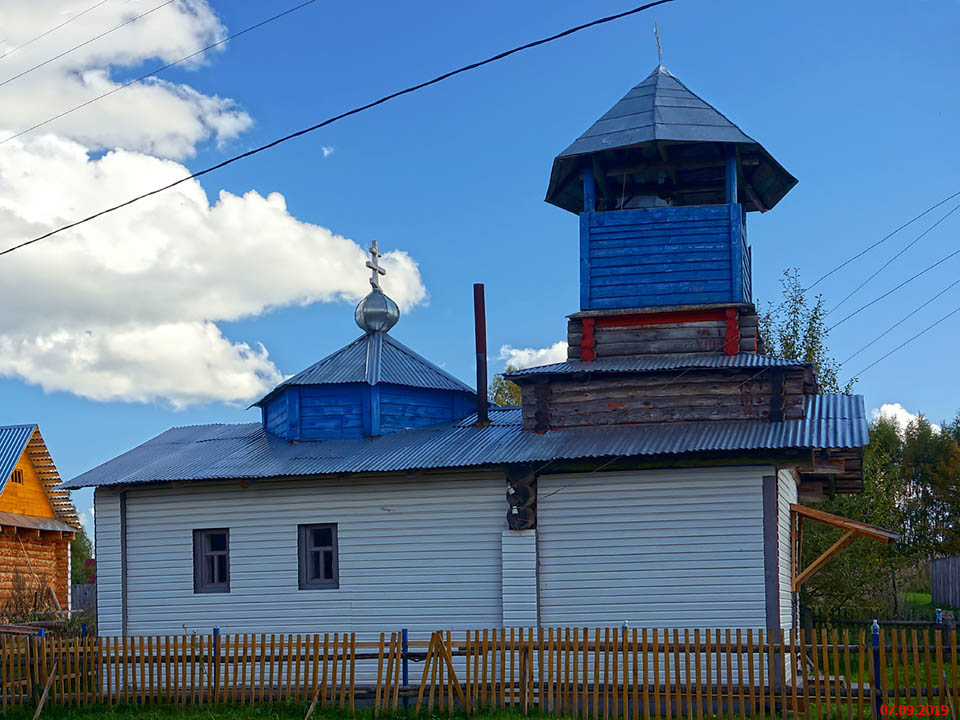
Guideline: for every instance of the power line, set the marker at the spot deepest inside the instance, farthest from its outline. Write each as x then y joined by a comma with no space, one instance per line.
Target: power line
158,70
890,261
901,321
907,342
880,241
894,289
85,42
57,27
348,113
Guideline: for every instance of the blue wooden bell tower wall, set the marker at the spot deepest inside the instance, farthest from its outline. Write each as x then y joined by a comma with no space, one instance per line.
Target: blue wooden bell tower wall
662,184
663,257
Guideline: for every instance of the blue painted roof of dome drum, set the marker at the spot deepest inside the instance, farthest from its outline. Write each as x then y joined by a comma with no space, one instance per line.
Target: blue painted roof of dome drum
209,452
659,109
374,358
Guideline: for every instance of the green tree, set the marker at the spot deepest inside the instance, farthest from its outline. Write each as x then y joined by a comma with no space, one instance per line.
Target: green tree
794,329
81,550
502,391
863,574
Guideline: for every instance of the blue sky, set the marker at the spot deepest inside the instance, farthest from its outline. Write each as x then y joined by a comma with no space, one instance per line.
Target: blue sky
856,99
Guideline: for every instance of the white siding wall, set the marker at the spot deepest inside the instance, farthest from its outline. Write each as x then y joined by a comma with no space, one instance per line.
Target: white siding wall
519,578
417,553
657,548
786,494
107,550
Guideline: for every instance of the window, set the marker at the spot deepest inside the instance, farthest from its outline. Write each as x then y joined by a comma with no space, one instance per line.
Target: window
211,561
17,477
319,559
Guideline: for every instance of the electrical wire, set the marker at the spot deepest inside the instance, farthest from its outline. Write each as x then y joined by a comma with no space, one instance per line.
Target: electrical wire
159,70
85,42
57,27
340,116
881,241
891,260
910,340
901,321
894,289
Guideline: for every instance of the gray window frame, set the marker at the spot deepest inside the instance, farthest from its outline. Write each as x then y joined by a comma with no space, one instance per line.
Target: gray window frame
200,586
303,559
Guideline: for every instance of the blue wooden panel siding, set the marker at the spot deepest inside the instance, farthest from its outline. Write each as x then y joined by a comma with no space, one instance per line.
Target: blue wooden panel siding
403,407
275,415
663,256
356,410
331,411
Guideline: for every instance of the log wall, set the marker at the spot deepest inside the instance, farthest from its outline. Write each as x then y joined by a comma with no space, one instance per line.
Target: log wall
663,397
46,557
705,336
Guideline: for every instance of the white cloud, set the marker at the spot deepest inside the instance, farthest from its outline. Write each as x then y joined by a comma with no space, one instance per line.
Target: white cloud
899,415
531,357
127,307
86,519
327,150
155,116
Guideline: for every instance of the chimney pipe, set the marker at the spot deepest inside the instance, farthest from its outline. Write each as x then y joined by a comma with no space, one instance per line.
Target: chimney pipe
480,324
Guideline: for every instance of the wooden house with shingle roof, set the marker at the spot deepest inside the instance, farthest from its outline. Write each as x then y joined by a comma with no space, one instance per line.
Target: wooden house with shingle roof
37,520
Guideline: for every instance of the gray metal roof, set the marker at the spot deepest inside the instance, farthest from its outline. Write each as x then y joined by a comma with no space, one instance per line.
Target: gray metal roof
13,441
374,358
208,452
662,109
653,363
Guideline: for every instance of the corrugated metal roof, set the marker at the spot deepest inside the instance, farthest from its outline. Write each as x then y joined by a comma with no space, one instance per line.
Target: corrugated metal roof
13,441
653,363
661,108
207,452
374,358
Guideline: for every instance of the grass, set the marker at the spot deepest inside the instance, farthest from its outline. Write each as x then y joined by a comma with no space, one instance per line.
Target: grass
919,601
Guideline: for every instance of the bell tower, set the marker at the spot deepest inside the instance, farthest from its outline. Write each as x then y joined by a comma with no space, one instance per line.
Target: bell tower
667,333
662,184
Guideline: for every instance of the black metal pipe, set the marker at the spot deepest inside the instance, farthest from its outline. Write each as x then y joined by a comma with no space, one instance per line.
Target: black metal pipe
480,325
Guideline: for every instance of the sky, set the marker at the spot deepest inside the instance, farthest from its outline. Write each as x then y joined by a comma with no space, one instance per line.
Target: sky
185,308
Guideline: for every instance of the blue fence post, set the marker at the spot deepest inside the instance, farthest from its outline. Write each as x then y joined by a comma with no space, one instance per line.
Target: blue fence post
877,686
214,692
939,616
41,632
403,652
83,630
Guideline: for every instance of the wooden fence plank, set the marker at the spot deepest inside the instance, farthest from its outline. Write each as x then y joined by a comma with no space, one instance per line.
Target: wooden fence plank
837,690
955,675
905,666
943,694
614,655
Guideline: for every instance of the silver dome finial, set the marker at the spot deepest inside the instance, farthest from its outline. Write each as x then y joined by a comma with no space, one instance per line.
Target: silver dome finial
376,312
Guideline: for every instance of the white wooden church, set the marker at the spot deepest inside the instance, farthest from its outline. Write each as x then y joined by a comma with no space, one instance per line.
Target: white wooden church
654,478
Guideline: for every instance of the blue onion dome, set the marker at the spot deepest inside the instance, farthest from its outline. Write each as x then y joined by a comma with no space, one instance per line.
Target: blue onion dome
376,312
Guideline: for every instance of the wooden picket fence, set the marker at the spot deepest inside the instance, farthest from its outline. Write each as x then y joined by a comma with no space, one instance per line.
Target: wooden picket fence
609,672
